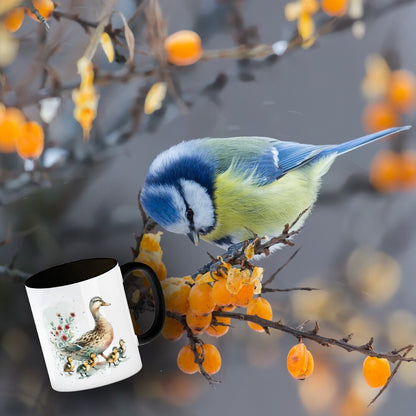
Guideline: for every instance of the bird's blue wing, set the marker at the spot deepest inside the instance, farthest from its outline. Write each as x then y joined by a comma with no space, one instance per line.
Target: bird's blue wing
263,159
293,155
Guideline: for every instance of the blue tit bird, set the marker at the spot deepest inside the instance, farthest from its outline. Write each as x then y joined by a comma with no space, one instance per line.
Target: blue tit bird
219,189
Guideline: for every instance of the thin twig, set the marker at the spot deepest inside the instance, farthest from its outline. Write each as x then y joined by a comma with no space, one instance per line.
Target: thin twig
14,273
272,277
291,289
365,349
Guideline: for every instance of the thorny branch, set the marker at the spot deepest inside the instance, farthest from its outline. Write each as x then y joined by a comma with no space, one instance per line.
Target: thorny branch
235,255
366,349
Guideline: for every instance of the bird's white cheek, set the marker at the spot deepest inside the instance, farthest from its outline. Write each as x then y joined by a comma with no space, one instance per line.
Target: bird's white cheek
200,202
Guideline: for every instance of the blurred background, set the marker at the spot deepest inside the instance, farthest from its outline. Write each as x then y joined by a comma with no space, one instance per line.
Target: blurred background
79,199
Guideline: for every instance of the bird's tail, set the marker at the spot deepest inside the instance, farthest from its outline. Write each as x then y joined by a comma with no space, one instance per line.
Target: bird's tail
339,149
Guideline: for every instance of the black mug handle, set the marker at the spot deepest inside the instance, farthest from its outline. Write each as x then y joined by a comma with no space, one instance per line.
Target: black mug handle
159,300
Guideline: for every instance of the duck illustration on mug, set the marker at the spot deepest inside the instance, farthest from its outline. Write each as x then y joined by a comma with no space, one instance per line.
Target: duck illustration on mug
80,355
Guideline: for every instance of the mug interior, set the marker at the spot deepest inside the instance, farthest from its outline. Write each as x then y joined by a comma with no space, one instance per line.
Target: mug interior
70,273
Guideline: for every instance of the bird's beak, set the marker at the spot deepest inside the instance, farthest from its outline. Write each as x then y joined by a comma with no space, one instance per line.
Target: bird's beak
194,236
106,304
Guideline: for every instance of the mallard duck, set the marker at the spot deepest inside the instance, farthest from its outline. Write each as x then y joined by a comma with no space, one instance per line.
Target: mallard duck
122,349
95,341
69,366
83,369
113,357
93,360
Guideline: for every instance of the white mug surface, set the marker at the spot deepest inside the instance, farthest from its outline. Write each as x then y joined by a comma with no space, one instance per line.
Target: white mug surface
85,328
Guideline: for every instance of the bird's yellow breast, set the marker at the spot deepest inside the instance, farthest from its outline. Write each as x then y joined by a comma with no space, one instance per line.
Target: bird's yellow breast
241,203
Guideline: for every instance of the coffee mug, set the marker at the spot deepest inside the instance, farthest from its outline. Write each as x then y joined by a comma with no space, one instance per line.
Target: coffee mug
84,323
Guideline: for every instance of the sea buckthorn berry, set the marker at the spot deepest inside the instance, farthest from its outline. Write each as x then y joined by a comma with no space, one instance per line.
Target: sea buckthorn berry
334,7
30,144
376,371
220,293
228,308
200,299
183,47
402,90
379,116
176,297
385,171
172,329
186,360
221,329
198,323
244,296
150,253
205,278
408,170
300,362
262,308
212,358
14,19
11,129
44,7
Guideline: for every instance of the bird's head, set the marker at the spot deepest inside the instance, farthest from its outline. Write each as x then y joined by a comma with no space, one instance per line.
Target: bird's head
178,191
96,302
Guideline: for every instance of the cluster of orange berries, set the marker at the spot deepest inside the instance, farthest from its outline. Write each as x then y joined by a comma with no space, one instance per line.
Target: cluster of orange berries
390,94
303,10
14,19
194,301
393,171
19,135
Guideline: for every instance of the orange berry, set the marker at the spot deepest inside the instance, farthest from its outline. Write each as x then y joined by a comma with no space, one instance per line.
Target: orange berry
262,308
176,298
45,8
172,329
212,358
376,371
408,170
200,299
220,293
198,323
334,7
11,129
186,360
30,144
300,362
14,19
183,47
220,329
385,171
402,90
380,116
244,295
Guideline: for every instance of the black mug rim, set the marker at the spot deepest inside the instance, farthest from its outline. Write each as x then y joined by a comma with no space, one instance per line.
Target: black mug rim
70,273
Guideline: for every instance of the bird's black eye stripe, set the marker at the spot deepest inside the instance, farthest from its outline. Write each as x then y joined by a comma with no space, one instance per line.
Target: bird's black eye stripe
189,215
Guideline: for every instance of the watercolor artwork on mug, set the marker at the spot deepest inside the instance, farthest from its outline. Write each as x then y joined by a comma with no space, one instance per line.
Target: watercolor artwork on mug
85,354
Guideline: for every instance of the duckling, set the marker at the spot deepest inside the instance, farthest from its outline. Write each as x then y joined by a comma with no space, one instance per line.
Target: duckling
122,349
113,357
69,366
96,340
93,360
83,369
